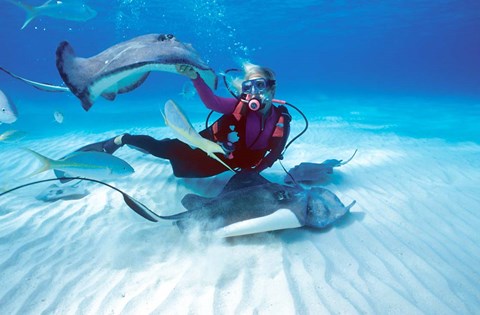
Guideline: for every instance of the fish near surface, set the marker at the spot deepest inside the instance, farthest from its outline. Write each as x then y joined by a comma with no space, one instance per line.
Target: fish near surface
251,204
72,10
58,116
125,66
8,111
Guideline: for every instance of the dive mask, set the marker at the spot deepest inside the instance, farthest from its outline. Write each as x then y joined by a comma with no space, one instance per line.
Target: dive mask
256,86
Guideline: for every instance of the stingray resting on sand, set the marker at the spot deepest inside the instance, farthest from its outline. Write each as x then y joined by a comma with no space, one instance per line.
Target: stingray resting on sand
125,66
248,204
314,173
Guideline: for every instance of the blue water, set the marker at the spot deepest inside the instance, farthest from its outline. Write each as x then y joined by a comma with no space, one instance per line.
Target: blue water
399,80
415,62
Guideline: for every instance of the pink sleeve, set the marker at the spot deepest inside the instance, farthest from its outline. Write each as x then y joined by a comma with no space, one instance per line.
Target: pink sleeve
224,105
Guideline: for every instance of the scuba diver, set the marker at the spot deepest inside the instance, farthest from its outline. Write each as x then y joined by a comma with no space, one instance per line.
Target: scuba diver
252,131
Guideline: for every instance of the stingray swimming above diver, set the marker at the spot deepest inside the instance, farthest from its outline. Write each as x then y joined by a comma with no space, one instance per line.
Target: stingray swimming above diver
248,204
125,66
120,68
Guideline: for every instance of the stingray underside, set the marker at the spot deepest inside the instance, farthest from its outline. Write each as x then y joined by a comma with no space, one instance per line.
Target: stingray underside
107,76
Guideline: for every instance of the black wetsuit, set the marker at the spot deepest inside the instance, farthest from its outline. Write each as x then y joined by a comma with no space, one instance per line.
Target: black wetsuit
188,162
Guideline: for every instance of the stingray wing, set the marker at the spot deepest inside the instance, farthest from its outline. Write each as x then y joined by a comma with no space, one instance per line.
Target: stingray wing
310,172
125,66
193,201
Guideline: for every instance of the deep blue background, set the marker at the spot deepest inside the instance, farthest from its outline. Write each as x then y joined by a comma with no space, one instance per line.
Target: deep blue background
408,47
427,49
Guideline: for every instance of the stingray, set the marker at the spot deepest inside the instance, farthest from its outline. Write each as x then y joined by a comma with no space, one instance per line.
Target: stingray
125,66
248,204
63,192
314,173
251,204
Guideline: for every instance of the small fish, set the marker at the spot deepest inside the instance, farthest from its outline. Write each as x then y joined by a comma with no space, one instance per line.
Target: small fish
178,121
8,111
12,135
96,165
188,90
65,10
58,117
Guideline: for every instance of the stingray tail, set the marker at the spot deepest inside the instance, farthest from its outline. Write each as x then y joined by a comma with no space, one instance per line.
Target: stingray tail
350,205
31,12
343,163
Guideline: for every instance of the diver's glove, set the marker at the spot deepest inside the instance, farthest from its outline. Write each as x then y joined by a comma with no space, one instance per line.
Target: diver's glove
187,71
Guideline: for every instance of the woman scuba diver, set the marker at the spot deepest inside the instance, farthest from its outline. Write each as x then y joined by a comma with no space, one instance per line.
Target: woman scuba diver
252,130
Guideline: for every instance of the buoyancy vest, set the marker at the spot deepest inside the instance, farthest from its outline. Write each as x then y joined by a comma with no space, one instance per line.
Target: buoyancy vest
230,130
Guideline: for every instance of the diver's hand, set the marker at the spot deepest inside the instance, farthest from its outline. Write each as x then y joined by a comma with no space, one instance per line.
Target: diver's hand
187,71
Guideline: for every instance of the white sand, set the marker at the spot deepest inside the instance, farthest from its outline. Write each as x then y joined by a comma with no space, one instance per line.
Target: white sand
411,245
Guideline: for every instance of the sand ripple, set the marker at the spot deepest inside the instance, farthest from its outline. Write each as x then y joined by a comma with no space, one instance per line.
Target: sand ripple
410,247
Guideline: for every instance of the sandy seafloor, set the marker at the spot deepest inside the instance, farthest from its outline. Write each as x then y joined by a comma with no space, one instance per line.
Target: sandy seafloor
410,246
